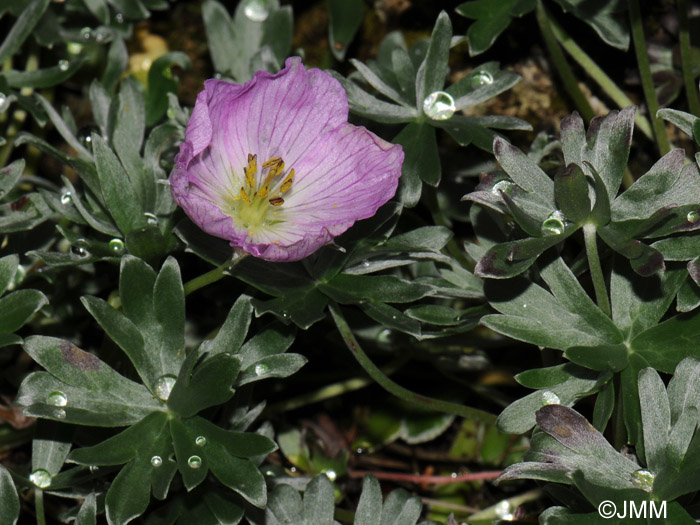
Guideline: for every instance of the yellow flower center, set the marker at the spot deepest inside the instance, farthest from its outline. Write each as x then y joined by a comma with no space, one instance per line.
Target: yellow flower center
251,204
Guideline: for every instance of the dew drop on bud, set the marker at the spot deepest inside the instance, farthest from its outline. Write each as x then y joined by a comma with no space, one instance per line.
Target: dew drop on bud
164,385
256,10
57,399
40,478
482,78
194,462
550,398
156,461
439,105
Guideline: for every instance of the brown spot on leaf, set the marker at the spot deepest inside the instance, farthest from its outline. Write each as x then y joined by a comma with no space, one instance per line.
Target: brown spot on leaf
79,358
562,430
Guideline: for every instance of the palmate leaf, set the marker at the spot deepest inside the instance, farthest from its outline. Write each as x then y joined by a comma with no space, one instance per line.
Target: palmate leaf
164,433
16,307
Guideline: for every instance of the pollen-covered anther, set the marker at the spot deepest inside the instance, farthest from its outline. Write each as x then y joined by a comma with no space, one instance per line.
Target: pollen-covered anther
287,182
276,201
251,170
244,195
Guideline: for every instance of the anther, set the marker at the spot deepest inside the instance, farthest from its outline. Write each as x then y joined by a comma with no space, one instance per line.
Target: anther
287,182
277,201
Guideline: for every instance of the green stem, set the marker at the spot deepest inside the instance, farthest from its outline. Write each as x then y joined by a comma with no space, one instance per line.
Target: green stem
214,275
328,392
544,19
598,75
601,292
645,74
691,90
39,506
411,397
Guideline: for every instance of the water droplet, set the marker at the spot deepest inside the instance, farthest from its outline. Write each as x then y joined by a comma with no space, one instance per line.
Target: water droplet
41,478
74,48
66,198
359,450
119,18
116,246
156,461
59,413
200,441
256,10
86,33
293,469
261,369
365,264
439,106
482,78
63,65
270,473
57,399
554,224
151,219
285,315
100,36
194,462
93,468
550,398
164,385
504,186
503,510
331,474
3,98
692,216
81,252
453,475
643,479
170,113
385,337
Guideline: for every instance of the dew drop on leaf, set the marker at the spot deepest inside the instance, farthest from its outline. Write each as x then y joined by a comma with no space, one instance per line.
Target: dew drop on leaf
439,105
504,186
63,65
482,78
554,224
550,398
256,10
66,198
57,399
692,216
156,461
200,441
504,510
151,219
41,478
643,479
331,474
194,462
116,246
164,385
261,369
86,33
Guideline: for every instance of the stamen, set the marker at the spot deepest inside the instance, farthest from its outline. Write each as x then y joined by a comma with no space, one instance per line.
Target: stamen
244,195
277,201
251,170
287,182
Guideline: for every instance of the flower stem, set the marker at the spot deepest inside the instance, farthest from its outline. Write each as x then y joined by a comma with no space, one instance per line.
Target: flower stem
598,75
691,91
395,389
645,74
39,507
545,21
214,275
601,292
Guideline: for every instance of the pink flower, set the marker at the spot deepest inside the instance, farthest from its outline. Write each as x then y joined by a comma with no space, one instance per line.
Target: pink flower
274,167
